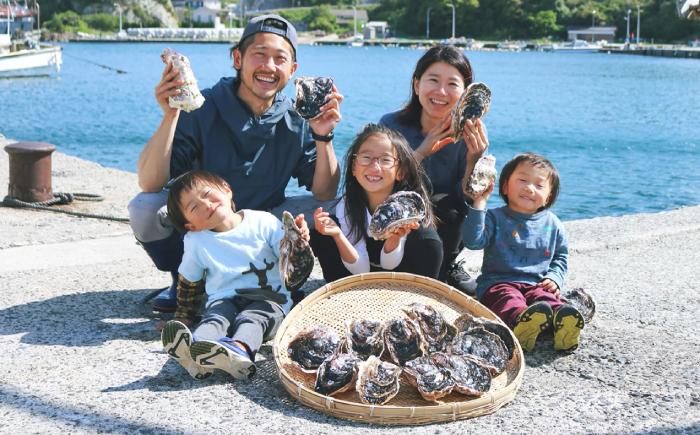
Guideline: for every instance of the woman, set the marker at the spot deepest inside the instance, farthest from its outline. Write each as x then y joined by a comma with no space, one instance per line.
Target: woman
441,76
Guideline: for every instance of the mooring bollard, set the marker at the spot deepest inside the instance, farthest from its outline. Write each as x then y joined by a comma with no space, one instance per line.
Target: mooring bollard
30,171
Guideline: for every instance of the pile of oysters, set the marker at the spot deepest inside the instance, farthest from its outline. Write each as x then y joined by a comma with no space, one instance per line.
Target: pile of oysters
435,356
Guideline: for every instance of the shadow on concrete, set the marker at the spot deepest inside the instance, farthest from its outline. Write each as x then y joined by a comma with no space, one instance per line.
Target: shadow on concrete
683,430
68,417
544,354
85,319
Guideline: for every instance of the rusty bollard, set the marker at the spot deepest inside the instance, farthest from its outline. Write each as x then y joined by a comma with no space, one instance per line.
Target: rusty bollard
30,171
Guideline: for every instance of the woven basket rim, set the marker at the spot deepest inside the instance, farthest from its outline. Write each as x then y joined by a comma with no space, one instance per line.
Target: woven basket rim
391,414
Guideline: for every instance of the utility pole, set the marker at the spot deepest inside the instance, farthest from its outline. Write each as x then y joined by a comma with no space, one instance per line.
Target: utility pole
354,22
637,24
627,38
120,17
427,26
240,9
453,19
592,25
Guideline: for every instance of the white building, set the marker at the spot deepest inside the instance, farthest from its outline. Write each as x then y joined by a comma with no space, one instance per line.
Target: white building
376,30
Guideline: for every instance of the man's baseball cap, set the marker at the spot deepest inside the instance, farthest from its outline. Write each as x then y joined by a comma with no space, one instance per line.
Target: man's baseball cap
272,24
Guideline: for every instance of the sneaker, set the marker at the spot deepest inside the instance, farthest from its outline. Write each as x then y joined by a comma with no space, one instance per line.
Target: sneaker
568,323
535,319
224,355
458,278
177,340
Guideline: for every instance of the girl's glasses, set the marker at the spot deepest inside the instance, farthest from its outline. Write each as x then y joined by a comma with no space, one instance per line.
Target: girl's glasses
366,159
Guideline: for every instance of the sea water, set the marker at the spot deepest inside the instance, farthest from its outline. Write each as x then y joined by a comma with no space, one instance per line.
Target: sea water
624,131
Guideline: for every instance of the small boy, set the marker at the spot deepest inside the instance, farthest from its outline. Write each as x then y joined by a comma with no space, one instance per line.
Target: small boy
525,253
238,254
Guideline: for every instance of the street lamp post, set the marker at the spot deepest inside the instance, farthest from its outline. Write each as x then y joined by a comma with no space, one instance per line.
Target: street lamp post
240,13
354,22
427,26
120,17
38,16
627,38
592,25
453,19
637,24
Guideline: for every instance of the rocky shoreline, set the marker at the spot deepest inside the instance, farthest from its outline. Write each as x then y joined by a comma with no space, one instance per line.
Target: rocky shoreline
77,356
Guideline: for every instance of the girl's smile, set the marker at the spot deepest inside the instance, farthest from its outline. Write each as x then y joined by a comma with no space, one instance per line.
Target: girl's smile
528,189
377,181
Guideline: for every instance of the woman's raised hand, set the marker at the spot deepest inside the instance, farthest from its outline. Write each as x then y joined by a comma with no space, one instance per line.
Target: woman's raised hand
436,139
166,88
324,224
475,138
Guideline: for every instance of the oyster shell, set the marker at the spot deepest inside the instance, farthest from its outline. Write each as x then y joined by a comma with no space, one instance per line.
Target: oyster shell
582,301
312,93
436,331
465,322
474,103
483,175
482,346
189,97
403,340
364,338
377,381
400,208
433,382
468,376
336,374
296,259
311,346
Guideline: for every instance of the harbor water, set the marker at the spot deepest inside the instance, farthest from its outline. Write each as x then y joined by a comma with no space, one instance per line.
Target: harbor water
624,131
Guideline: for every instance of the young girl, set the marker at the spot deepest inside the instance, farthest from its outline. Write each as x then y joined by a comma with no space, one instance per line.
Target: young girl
378,163
525,253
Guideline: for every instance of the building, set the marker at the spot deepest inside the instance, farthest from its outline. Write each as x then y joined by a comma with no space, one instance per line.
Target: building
346,16
376,30
591,33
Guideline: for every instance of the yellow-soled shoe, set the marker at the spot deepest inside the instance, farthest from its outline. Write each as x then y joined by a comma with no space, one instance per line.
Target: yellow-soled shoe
568,323
535,319
177,339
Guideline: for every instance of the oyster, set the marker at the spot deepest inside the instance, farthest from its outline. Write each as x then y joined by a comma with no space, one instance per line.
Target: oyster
336,374
377,381
312,93
474,103
582,301
466,321
436,331
433,382
364,338
189,97
483,175
468,376
403,340
482,346
296,257
311,346
401,208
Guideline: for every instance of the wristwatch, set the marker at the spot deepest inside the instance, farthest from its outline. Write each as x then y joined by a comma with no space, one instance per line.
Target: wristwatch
320,138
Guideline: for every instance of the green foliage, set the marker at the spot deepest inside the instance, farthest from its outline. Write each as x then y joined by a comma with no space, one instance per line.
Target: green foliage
295,15
102,21
320,19
66,22
544,24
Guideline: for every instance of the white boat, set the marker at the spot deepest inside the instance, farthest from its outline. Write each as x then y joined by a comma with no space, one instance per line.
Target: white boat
26,57
577,46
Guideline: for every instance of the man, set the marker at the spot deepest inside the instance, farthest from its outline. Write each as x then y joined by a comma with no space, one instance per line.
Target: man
247,132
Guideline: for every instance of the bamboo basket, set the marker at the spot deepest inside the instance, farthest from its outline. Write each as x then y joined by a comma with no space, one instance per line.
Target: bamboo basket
381,296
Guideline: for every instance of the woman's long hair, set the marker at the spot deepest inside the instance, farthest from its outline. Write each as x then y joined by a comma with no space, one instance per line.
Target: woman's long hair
447,53
414,179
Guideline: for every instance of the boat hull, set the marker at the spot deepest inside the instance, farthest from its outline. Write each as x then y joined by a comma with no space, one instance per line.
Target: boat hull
34,62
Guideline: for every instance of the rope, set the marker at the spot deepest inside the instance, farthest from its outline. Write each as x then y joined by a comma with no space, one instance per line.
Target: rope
63,198
119,71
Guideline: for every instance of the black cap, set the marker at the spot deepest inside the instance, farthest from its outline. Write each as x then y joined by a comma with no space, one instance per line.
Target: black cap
272,24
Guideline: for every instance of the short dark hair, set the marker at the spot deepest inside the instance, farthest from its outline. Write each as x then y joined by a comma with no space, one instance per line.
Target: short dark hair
537,161
188,181
447,53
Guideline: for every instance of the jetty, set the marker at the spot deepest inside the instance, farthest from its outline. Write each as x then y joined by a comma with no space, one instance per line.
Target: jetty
78,357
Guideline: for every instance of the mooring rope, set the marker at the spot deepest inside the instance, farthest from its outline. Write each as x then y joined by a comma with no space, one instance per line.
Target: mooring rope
63,198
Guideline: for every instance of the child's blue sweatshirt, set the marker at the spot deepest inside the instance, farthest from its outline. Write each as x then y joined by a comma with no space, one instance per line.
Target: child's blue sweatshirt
517,247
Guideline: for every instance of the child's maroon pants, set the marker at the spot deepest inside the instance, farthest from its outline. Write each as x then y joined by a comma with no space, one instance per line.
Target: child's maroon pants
508,299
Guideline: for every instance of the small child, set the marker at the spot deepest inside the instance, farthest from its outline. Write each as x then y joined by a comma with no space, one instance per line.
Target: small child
238,253
525,253
379,162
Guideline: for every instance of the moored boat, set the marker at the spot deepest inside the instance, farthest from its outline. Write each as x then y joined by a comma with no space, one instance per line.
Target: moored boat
578,46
